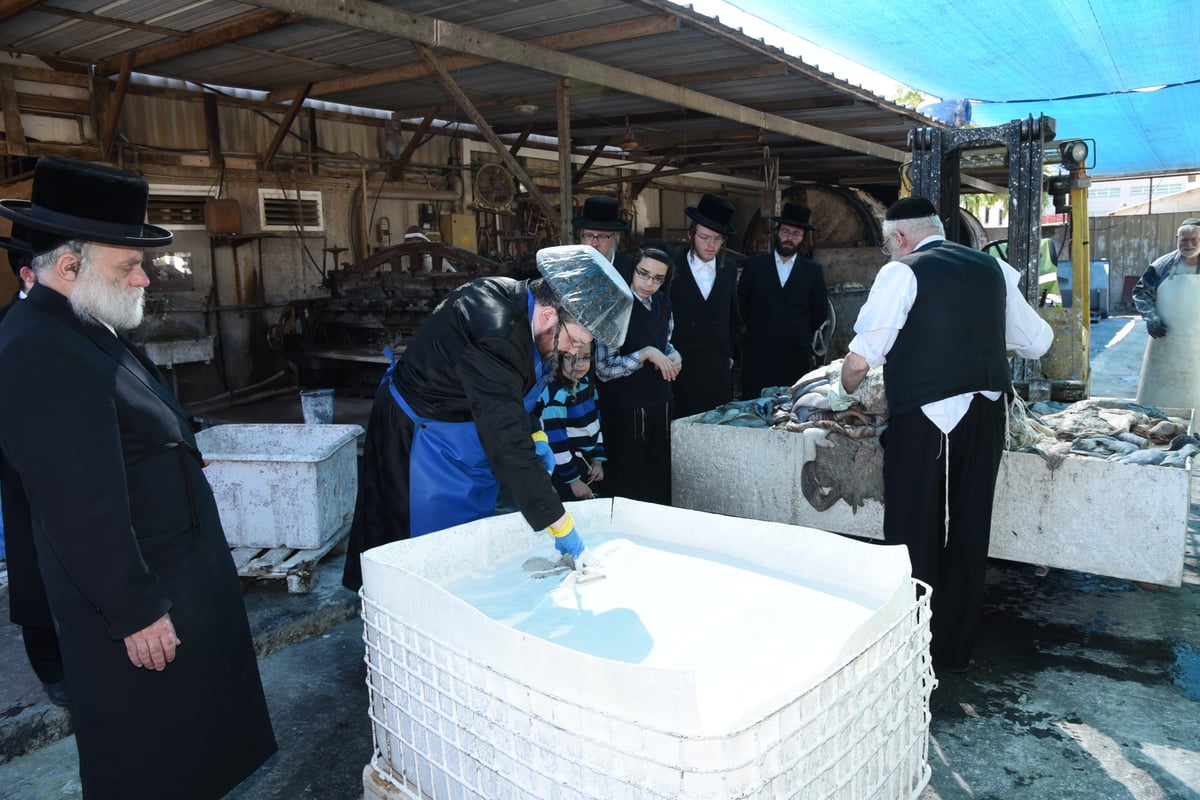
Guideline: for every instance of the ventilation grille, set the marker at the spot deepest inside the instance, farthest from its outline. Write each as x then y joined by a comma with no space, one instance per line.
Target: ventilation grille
174,211
290,211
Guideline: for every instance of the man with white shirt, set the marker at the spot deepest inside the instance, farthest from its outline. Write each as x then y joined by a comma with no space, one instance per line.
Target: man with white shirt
782,299
704,302
941,317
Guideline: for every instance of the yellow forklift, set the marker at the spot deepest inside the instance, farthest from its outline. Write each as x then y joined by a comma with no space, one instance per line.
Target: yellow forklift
1026,146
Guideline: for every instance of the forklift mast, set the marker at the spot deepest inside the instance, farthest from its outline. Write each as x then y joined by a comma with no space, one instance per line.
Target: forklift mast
936,175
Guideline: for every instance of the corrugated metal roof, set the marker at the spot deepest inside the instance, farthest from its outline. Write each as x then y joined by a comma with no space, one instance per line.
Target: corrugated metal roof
718,86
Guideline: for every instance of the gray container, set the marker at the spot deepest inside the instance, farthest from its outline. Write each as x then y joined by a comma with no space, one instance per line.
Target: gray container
317,406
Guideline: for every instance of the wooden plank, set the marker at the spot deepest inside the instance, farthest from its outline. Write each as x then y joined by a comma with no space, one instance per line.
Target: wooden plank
564,159
469,109
10,8
14,131
210,37
112,112
601,34
424,31
284,125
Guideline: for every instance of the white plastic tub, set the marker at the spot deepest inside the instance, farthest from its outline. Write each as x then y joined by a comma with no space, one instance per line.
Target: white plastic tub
282,485
467,707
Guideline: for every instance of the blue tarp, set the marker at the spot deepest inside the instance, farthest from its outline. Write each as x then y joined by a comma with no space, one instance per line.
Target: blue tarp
1087,63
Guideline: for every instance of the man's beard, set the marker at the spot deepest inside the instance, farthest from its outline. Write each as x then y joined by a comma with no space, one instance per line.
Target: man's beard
546,342
95,299
785,249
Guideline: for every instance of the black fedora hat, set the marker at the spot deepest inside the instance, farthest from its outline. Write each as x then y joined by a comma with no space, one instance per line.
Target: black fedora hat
90,202
715,213
795,215
600,214
17,245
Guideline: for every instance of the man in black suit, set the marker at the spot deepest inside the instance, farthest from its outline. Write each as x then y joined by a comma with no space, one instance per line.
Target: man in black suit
704,301
27,606
600,225
781,296
166,699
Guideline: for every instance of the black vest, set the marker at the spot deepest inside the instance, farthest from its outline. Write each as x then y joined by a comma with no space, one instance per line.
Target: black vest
646,386
953,340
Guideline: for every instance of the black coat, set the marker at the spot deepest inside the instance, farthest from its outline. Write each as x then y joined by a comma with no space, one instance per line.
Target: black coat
780,321
706,336
126,529
26,592
471,361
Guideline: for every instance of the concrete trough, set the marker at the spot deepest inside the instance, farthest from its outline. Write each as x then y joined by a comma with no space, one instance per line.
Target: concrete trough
1121,520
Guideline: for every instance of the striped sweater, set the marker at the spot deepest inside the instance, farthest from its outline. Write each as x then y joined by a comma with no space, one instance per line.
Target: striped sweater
572,424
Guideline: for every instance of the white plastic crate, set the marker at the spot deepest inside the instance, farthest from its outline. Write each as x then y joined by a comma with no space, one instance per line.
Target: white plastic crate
467,708
282,485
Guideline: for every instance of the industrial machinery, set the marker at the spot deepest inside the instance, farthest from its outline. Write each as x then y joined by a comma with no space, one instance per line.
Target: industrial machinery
373,306
937,157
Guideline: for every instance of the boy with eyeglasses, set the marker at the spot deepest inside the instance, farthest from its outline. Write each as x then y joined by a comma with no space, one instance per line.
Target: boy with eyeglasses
571,421
637,392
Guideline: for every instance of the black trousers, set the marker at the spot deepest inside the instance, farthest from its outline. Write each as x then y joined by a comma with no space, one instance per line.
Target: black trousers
41,645
927,477
637,442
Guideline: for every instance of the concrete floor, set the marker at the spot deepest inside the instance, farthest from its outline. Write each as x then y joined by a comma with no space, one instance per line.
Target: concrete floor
1082,686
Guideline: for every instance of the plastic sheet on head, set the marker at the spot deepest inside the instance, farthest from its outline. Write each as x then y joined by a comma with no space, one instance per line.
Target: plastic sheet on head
589,288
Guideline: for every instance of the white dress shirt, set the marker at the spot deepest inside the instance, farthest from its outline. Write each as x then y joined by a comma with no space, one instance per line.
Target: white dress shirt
892,295
705,273
784,268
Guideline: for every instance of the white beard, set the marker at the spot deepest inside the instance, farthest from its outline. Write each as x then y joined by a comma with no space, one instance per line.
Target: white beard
95,299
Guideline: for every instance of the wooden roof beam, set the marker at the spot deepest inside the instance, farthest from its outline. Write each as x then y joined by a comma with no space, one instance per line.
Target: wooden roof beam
10,8
601,34
218,34
477,119
431,32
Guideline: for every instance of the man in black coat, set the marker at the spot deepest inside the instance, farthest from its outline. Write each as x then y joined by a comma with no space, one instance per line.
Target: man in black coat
27,606
600,225
704,302
452,418
166,699
782,299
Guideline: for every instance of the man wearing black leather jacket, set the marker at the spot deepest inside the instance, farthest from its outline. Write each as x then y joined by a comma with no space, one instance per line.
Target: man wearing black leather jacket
452,418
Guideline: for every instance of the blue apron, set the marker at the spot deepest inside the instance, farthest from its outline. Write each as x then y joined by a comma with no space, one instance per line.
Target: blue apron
450,480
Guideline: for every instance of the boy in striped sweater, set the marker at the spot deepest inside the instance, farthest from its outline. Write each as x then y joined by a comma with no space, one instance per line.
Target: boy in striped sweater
571,421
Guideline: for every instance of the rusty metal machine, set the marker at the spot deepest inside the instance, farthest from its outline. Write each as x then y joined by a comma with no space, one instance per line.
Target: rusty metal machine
374,305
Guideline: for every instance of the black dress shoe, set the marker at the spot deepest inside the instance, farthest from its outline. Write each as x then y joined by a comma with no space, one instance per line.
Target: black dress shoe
57,692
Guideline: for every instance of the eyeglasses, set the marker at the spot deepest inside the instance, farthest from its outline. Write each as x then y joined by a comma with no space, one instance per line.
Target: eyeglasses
596,237
576,345
883,248
710,238
649,277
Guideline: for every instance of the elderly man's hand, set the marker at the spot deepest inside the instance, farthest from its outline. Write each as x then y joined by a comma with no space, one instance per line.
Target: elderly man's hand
153,647
1155,325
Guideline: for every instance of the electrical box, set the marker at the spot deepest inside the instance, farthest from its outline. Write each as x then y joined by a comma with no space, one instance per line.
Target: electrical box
458,230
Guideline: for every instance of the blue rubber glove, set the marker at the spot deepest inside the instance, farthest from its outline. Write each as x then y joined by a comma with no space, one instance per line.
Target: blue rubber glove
567,540
839,398
541,445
